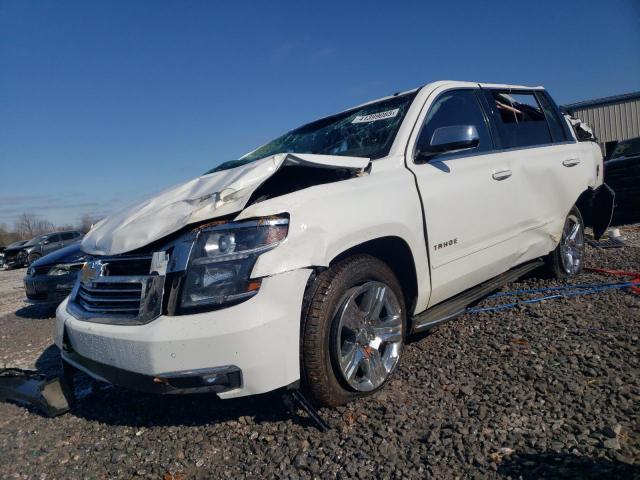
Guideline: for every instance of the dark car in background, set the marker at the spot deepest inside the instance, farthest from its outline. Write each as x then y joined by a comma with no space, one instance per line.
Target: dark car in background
39,247
10,251
622,174
51,278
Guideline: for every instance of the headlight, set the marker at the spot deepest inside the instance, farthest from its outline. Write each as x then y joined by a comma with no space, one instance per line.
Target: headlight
64,269
59,270
222,259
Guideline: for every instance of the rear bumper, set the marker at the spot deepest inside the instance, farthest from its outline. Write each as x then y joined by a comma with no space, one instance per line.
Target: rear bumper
602,204
259,338
596,206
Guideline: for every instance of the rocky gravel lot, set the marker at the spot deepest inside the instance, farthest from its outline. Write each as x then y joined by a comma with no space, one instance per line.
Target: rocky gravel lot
542,390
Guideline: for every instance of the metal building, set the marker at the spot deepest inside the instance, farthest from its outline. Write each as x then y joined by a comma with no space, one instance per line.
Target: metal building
612,118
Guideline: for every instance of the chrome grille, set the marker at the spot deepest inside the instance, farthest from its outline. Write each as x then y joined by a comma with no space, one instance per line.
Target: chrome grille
118,290
103,297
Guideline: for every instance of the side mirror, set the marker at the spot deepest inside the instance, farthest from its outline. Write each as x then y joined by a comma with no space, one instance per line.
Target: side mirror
46,241
450,139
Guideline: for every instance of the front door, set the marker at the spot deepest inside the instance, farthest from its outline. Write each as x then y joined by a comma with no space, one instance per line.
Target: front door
52,243
469,199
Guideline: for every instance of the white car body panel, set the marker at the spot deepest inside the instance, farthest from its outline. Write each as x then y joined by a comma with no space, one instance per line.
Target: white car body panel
463,203
203,198
260,336
325,221
497,225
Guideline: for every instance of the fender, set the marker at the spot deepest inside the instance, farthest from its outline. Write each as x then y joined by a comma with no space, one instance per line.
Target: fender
327,220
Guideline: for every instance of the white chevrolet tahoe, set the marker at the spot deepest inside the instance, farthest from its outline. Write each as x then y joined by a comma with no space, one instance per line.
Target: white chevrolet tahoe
309,261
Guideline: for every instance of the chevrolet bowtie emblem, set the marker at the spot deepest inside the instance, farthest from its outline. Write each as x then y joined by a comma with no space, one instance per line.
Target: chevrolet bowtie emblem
92,270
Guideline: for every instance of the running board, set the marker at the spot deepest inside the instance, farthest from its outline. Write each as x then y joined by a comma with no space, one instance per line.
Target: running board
456,305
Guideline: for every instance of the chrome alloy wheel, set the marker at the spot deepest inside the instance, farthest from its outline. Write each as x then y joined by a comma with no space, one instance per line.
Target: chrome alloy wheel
369,335
572,245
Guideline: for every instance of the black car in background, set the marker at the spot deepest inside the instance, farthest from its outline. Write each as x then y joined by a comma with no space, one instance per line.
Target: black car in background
622,174
10,250
39,246
51,278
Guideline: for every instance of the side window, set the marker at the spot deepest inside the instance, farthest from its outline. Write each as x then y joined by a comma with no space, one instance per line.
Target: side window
67,236
54,238
558,133
456,108
520,119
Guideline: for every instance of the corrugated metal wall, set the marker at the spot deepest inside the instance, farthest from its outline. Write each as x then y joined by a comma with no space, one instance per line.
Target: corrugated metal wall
617,121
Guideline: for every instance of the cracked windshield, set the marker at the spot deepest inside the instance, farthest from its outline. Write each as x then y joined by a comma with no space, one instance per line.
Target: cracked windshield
366,131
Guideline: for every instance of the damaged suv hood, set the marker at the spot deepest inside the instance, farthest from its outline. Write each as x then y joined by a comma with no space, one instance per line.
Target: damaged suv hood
203,198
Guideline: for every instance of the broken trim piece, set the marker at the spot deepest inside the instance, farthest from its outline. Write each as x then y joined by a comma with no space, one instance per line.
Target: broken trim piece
602,205
50,395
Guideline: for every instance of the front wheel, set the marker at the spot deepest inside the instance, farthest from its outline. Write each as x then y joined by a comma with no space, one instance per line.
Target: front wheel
353,332
32,258
567,259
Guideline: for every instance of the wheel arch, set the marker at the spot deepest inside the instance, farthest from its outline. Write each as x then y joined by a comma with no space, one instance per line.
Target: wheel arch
396,253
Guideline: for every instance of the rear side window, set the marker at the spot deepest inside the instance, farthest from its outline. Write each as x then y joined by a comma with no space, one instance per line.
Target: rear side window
67,236
520,119
452,108
558,133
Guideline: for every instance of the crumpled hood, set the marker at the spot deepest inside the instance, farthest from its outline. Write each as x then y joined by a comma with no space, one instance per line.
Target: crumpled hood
203,198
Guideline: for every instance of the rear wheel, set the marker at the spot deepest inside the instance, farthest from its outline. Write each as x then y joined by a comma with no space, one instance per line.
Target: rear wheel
353,332
567,259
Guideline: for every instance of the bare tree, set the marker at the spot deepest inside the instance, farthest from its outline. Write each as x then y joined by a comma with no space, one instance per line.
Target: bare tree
29,225
7,236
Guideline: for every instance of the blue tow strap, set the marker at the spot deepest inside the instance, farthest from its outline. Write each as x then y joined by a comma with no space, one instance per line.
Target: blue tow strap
565,291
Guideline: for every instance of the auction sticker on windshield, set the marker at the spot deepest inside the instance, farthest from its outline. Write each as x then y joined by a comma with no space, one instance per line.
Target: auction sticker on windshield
376,116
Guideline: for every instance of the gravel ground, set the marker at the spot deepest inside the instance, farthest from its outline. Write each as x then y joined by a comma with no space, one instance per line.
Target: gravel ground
542,390
22,337
11,290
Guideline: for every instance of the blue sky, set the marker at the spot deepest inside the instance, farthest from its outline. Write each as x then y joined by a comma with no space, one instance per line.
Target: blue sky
102,103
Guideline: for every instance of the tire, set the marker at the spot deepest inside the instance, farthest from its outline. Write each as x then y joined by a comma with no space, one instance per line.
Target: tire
567,259
32,258
347,353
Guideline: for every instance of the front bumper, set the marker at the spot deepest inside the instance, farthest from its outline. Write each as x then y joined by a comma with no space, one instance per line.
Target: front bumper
259,337
15,261
48,289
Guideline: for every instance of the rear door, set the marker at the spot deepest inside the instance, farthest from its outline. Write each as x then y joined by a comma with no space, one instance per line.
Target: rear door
549,169
468,198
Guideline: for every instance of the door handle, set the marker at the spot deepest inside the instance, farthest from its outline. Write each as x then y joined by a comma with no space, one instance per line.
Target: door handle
501,175
571,162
